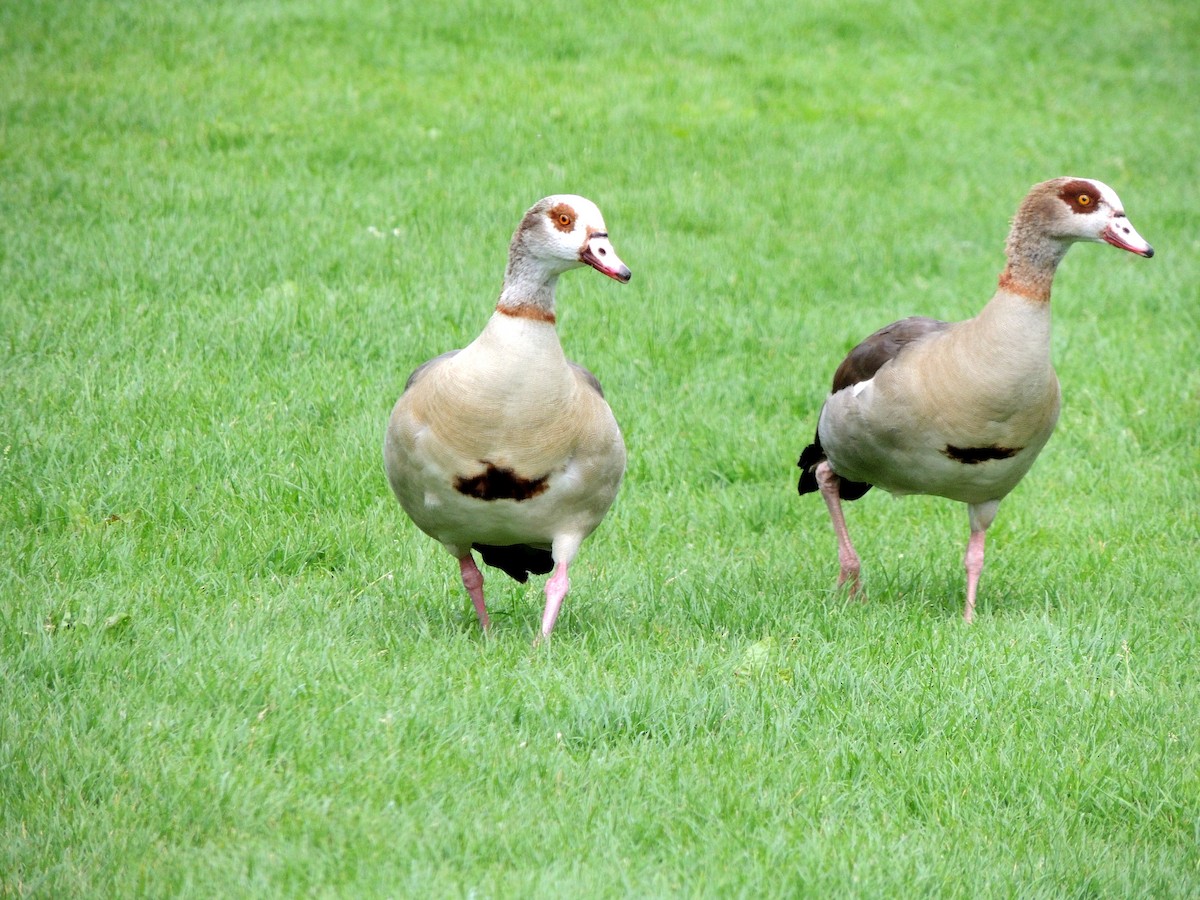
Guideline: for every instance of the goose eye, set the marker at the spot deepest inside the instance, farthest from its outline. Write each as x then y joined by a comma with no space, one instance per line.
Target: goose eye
1084,200
562,217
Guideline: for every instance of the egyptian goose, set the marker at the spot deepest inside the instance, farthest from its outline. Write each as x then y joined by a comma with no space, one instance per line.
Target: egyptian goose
961,409
507,447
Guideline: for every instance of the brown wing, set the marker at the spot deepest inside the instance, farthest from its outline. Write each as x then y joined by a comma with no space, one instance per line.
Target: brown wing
592,380
883,346
423,367
860,365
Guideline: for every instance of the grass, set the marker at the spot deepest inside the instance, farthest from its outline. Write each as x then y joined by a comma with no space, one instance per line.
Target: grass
228,231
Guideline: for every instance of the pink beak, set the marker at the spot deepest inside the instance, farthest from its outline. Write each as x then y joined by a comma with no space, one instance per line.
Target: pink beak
599,254
1121,234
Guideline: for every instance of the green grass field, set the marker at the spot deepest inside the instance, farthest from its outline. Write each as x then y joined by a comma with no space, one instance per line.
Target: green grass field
231,667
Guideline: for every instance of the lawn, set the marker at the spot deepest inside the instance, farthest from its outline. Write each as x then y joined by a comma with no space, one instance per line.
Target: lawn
232,667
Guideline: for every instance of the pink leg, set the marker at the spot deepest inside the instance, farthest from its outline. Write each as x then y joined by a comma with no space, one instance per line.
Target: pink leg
847,558
556,589
472,580
974,564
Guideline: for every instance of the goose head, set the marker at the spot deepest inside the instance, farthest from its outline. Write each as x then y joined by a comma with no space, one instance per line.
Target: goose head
562,232
1083,209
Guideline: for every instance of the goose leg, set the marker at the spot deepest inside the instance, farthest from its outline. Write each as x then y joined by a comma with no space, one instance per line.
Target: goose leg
980,516
556,589
974,565
472,580
563,548
848,562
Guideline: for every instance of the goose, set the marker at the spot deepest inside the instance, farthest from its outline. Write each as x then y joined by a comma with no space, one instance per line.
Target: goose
506,447
961,409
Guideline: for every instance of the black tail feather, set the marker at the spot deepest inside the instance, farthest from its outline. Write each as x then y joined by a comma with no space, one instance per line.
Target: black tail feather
852,490
518,560
812,457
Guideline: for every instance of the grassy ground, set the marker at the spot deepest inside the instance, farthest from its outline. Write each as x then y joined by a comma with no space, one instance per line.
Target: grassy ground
230,666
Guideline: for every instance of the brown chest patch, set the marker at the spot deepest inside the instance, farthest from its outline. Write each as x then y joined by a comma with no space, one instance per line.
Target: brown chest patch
496,483
971,456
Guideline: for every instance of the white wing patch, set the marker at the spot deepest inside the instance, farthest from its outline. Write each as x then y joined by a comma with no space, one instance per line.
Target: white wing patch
861,386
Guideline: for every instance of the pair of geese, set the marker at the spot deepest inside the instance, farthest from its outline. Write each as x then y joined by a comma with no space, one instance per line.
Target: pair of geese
509,449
